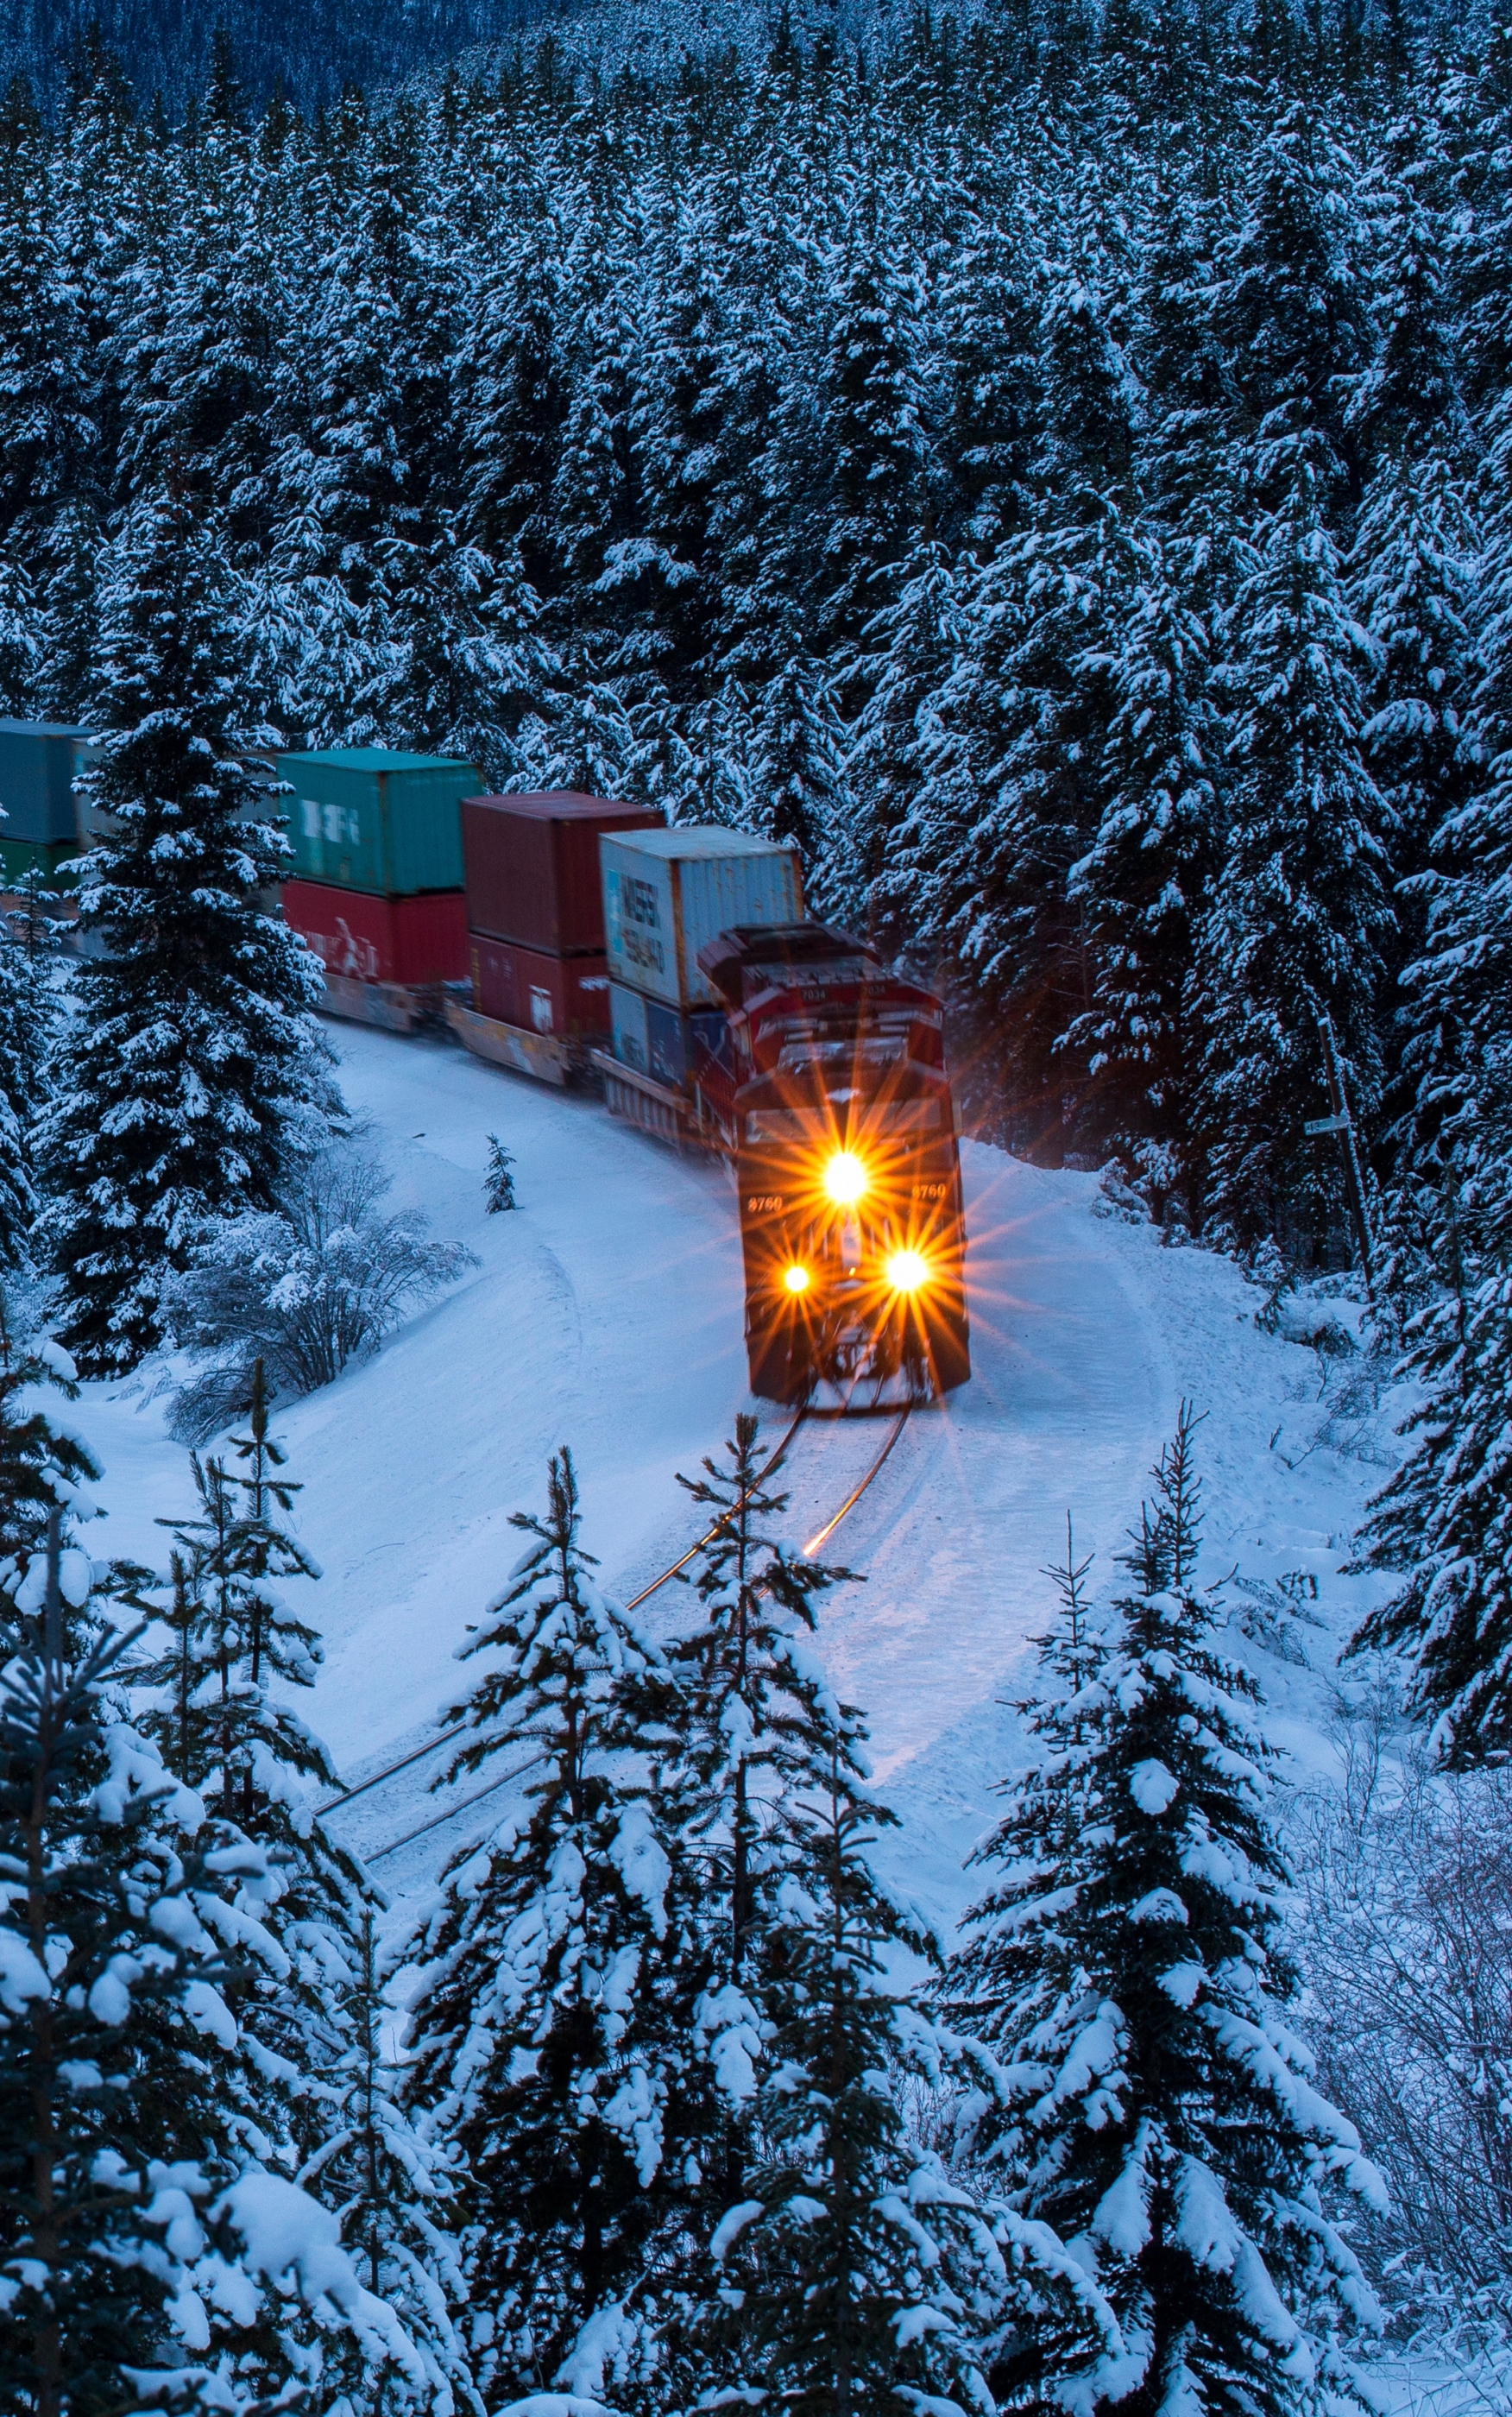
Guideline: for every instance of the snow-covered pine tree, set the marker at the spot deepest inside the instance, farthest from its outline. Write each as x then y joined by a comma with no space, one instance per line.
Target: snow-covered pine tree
854,2273
1144,886
910,652
197,1069
28,1028
1300,914
546,2052
799,772
1440,1524
394,2192
43,1469
1129,1972
211,1686
499,1178
739,1715
105,1967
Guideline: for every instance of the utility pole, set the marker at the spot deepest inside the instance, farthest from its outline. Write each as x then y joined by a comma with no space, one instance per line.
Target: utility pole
1341,1122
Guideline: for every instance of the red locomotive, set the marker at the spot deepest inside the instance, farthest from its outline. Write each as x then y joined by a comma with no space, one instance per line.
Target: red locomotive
830,1097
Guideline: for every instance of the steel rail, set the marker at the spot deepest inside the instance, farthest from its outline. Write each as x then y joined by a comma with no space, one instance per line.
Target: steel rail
443,1736
855,1495
519,1769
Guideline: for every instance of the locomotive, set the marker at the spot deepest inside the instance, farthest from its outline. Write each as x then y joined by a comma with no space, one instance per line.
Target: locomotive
827,1093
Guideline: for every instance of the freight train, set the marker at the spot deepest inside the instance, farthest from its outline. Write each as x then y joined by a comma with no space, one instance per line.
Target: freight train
569,936
677,968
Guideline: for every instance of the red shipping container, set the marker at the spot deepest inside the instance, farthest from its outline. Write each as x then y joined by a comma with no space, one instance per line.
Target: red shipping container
363,938
565,996
531,867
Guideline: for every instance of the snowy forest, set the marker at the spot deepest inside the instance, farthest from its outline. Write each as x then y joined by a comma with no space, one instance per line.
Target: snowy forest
1055,473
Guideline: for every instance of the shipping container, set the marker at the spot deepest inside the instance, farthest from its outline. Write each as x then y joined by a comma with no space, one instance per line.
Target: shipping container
39,764
359,937
531,867
366,818
56,867
666,893
564,996
664,1041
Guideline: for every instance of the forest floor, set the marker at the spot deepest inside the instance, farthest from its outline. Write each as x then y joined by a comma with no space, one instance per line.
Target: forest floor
605,1313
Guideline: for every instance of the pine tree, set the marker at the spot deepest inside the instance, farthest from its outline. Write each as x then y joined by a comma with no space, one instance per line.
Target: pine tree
44,1470
498,1180
198,1069
545,2052
1300,916
1129,1972
1440,1524
394,2195
103,1957
854,2273
1144,886
29,1019
799,770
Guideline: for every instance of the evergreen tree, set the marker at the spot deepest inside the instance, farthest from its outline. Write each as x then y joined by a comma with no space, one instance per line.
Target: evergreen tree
1129,1970
498,1181
44,1470
1300,916
1440,1524
105,1965
545,2050
394,2194
1144,886
198,1069
799,770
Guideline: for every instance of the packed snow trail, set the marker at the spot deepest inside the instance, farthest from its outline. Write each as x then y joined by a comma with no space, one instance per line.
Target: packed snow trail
606,1314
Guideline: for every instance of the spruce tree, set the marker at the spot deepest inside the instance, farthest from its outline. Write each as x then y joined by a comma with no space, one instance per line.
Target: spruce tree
1440,1525
545,2050
854,2273
1129,1971
1300,915
799,770
197,1069
1144,886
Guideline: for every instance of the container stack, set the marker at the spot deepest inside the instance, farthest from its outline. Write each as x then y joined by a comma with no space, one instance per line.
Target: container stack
39,764
536,925
378,890
666,894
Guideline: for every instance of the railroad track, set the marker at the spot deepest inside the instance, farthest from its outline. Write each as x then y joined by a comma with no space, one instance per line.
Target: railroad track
443,1736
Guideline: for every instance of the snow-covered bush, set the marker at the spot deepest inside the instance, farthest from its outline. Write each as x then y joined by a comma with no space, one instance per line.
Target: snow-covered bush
1406,1879
305,1288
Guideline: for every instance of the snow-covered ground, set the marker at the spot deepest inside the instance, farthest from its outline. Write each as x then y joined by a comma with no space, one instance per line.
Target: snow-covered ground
605,1314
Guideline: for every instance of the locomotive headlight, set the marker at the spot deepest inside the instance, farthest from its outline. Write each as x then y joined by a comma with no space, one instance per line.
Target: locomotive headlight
907,1271
845,1179
795,1279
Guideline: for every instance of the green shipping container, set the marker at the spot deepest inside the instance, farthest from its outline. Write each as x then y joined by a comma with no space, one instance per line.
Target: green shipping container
38,763
56,867
368,818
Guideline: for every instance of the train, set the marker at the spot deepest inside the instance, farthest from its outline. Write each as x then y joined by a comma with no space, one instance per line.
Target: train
679,970
828,1097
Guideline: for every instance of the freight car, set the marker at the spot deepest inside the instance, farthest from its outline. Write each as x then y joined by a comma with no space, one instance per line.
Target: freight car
828,1094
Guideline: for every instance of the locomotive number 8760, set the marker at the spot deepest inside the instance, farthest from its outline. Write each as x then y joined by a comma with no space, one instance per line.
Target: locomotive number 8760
833,1103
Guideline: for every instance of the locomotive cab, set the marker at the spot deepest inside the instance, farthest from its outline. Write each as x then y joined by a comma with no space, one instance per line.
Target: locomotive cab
834,1105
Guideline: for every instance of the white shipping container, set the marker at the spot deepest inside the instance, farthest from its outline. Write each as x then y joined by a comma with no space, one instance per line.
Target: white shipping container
667,892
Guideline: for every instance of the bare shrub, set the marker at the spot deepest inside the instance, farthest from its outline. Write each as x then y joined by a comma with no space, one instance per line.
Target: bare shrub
306,1287
1406,1882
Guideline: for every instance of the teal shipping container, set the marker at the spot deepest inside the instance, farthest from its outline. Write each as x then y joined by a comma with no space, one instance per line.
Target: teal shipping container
38,761
368,818
666,893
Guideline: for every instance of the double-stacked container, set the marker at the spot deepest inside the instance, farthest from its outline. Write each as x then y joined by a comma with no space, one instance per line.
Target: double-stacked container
534,909
39,764
377,843
666,894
